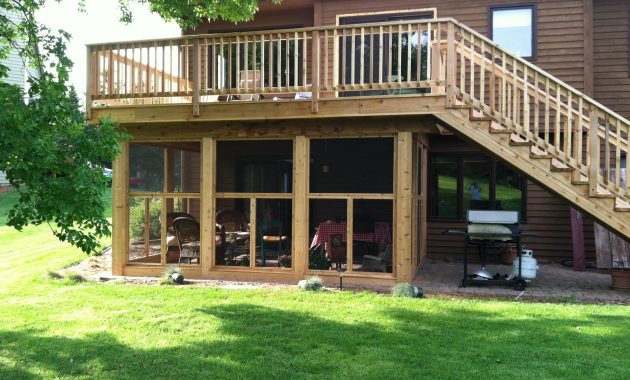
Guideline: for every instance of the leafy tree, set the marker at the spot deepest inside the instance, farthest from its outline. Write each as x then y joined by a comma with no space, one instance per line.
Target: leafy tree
48,151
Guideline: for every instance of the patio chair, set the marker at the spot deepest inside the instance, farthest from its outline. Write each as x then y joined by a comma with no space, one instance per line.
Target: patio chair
270,232
187,232
336,250
232,220
382,262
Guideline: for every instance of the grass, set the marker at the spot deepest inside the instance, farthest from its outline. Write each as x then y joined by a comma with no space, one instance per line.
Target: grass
63,329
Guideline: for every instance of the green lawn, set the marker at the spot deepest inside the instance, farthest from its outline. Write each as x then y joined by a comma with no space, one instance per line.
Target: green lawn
54,329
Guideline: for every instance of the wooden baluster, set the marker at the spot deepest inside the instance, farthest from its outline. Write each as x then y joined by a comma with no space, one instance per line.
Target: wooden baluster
362,69
607,149
419,56
237,74
408,79
472,66
155,69
557,120
245,77
482,75
492,89
344,50
371,63
547,110
536,105
296,53
326,63
462,64
450,65
399,66
390,68
617,155
380,55
287,60
262,62
593,170
526,109
110,72
578,132
352,57
568,132
196,76
316,69
504,100
304,59
336,59
429,57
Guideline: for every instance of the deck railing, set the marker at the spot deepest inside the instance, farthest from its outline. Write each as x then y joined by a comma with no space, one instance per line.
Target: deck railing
438,56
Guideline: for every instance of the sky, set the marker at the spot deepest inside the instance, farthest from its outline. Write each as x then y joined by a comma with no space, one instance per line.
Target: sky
100,24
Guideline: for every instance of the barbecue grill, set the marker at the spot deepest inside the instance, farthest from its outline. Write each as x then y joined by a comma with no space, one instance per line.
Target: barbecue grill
486,228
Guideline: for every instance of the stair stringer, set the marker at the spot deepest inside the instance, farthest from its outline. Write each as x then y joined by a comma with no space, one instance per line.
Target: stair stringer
538,170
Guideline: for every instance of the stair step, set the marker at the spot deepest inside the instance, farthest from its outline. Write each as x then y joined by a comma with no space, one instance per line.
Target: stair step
558,166
475,115
583,180
458,104
536,152
603,193
517,140
498,128
621,205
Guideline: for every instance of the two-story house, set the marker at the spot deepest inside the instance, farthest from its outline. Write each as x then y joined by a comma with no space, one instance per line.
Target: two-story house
350,134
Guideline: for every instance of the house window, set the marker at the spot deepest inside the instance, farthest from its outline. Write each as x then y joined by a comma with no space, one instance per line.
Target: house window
514,29
477,182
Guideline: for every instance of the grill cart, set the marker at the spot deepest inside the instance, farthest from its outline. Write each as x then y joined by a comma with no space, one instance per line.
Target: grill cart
484,229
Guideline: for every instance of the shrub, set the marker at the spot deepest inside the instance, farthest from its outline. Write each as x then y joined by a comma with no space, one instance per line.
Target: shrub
75,278
136,219
172,275
313,284
52,275
407,290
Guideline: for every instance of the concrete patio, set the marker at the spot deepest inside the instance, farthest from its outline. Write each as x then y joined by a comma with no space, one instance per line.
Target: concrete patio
554,282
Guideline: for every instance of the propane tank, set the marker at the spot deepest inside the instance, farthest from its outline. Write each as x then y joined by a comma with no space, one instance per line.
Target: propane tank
529,265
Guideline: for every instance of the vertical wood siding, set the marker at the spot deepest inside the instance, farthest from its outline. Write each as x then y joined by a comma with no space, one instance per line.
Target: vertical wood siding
611,55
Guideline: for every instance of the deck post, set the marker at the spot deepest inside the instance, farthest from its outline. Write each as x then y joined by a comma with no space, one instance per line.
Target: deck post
315,67
404,208
300,206
208,242
120,209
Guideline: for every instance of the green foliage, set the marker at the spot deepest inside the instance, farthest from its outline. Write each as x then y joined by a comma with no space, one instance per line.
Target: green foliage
137,222
407,290
74,278
188,14
52,275
312,284
48,151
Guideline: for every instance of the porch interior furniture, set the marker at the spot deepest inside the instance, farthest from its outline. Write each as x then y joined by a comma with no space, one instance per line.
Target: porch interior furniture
271,233
187,232
380,235
336,250
382,262
236,230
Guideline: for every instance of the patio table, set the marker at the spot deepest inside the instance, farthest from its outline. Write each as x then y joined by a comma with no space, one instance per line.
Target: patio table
381,234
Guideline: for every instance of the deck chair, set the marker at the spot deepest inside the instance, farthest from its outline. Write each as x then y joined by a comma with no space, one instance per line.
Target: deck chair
187,232
380,263
271,233
336,250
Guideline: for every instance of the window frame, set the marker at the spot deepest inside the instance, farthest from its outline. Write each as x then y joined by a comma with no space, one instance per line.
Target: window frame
460,158
532,7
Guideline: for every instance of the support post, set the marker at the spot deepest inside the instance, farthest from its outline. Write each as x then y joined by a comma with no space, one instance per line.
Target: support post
120,210
577,230
404,208
208,242
450,65
300,206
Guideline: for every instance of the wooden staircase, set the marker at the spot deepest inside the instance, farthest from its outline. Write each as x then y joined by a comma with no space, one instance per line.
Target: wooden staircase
557,136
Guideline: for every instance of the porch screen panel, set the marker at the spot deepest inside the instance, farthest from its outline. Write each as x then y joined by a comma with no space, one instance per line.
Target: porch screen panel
145,230
372,235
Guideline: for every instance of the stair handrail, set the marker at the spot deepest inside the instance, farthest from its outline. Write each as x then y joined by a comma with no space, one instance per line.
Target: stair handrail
615,129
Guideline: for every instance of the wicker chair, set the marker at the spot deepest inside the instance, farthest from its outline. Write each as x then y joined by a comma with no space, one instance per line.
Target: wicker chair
187,232
232,220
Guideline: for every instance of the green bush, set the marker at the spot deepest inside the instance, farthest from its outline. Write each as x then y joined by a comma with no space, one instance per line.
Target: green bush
171,274
312,284
136,219
74,278
407,290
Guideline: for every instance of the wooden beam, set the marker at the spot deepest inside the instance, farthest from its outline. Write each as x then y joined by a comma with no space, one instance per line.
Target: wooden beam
120,208
300,205
403,205
577,232
208,243
275,110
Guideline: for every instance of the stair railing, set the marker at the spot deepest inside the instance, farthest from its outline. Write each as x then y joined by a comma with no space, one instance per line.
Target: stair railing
555,117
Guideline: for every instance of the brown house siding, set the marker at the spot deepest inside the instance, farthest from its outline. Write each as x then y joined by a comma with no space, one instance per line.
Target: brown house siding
611,56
